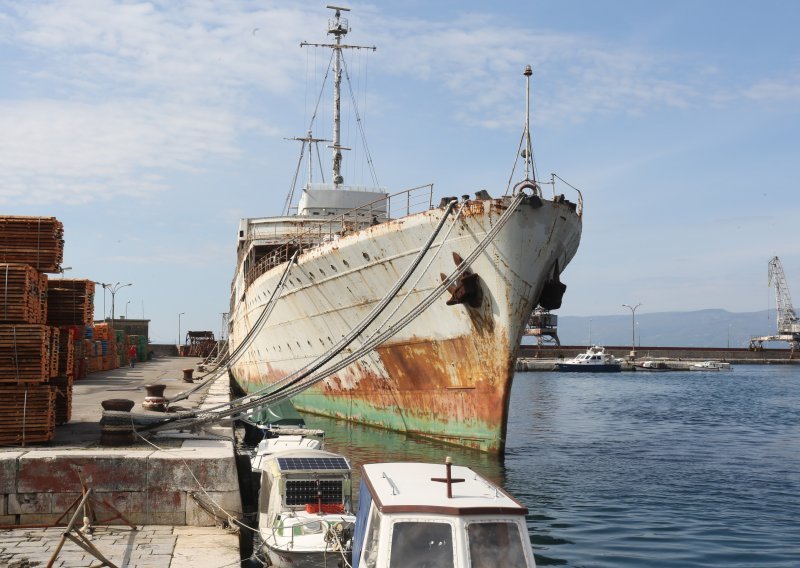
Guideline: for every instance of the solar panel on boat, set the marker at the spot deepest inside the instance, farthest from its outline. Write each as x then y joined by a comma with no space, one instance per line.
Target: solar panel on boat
305,464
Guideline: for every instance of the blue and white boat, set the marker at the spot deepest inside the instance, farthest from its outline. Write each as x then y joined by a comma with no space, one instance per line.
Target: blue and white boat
595,360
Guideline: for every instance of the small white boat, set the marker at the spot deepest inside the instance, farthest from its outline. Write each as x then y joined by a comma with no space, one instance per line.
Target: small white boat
282,439
305,514
595,360
710,366
652,365
414,515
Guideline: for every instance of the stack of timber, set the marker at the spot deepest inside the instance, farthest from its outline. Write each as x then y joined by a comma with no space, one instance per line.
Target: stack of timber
70,302
37,241
23,294
27,413
27,353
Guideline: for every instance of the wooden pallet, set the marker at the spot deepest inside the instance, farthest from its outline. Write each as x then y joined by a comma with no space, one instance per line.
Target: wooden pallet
26,353
38,241
27,414
70,302
22,297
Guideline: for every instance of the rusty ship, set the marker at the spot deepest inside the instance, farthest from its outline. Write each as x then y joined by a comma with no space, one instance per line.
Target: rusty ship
448,373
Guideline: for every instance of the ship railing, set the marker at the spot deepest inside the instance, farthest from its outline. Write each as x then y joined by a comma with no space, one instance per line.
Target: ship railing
553,178
386,208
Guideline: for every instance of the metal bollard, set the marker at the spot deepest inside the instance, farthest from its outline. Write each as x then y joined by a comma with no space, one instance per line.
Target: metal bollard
155,398
115,425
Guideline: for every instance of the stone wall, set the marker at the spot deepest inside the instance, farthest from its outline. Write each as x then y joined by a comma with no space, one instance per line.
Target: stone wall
174,484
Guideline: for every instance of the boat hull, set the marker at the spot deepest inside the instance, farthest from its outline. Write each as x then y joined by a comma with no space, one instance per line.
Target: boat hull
290,559
448,374
566,367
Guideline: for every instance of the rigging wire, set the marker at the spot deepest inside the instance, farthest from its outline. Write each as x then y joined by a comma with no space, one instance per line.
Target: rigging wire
367,154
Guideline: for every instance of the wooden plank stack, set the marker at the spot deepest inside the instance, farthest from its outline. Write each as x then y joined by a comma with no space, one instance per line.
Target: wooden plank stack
70,302
27,414
30,350
37,241
26,353
23,294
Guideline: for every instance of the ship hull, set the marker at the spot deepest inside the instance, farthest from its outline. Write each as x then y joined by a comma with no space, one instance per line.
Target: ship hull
448,374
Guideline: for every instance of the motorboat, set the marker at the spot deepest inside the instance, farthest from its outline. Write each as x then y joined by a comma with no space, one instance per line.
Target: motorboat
305,516
653,365
594,360
416,515
279,439
710,366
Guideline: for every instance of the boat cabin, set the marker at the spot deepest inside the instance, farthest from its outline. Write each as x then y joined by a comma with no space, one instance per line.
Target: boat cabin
415,515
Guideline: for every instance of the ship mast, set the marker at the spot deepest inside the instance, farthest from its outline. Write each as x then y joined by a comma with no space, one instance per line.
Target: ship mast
338,27
527,152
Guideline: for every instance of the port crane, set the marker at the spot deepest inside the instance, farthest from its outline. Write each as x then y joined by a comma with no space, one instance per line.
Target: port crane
788,322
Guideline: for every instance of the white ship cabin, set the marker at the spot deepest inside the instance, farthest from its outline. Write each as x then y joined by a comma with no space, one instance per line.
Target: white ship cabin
419,514
325,212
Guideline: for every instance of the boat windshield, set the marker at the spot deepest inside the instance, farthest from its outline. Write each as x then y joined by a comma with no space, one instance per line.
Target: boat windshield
493,544
418,544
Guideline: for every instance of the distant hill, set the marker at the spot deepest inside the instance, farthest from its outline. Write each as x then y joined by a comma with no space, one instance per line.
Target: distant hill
704,328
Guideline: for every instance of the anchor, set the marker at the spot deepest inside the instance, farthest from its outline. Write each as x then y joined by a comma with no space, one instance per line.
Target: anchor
467,290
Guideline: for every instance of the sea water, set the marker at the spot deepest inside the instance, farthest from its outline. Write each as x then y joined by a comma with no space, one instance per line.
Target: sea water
638,468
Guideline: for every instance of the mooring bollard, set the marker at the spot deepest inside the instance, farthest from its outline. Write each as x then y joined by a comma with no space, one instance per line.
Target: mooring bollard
187,375
116,428
155,398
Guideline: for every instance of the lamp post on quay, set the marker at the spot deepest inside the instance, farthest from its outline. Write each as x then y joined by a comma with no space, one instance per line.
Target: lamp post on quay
126,308
633,327
114,288
104,285
179,328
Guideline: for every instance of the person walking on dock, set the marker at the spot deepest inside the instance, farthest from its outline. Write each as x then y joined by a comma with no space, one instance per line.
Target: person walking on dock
132,355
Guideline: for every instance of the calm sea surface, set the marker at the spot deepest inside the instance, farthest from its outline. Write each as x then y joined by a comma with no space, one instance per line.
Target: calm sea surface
639,469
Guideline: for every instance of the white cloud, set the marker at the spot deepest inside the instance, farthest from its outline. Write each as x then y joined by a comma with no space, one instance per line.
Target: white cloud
57,151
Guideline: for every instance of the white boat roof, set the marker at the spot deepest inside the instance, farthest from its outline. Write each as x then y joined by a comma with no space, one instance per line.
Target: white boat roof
409,487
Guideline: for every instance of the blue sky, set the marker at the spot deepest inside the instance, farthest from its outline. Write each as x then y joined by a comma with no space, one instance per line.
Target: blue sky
149,129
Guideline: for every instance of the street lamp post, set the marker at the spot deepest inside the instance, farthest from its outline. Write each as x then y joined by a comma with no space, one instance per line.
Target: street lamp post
126,308
114,289
179,327
633,327
104,285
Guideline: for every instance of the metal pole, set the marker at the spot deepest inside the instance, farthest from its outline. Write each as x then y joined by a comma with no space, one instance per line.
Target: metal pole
633,327
179,327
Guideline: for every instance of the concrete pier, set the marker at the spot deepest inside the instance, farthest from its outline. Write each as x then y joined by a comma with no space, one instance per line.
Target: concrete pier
545,359
175,482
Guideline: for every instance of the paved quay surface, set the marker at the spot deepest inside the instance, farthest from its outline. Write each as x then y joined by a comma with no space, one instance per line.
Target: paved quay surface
147,547
84,427
179,490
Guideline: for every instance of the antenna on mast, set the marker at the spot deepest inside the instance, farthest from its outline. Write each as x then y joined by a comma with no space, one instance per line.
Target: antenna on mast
527,152
338,27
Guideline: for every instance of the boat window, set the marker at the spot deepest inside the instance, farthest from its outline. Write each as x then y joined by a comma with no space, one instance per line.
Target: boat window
422,545
371,540
493,544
